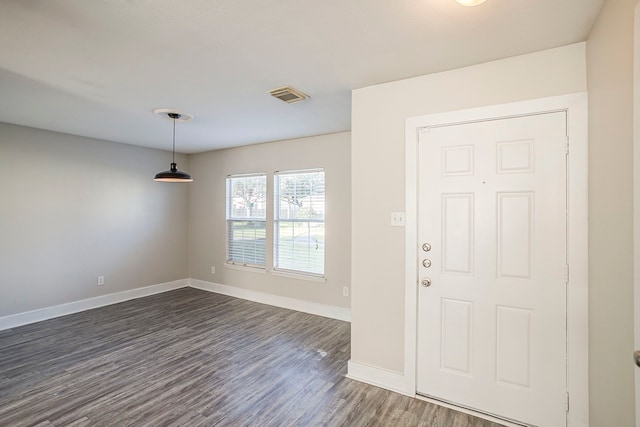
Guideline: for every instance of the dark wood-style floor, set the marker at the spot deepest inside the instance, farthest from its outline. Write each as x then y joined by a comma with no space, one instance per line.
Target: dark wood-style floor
193,358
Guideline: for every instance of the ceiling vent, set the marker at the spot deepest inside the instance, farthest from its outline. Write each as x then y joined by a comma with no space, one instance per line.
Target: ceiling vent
288,94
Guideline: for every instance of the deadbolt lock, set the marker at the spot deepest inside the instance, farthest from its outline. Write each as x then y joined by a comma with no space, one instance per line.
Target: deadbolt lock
426,263
426,247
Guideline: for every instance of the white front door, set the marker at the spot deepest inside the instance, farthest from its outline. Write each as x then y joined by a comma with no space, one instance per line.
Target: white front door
492,230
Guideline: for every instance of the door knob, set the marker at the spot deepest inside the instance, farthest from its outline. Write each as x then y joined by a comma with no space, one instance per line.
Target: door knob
426,263
426,247
636,357
426,282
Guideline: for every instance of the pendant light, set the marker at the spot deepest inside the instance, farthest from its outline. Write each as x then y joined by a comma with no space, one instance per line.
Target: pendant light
173,174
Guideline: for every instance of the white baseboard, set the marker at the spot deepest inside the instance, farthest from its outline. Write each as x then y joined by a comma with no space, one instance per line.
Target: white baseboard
19,319
27,317
324,310
378,377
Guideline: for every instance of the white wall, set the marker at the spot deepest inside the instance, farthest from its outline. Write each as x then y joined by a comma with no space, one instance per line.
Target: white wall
74,208
378,176
610,85
207,245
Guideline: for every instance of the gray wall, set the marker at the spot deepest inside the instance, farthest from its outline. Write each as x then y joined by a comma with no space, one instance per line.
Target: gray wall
207,245
610,85
74,208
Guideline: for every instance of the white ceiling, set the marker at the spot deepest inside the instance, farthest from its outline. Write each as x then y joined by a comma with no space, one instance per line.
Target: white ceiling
98,68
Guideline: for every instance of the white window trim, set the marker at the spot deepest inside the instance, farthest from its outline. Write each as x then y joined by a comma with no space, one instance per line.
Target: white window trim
295,274
246,267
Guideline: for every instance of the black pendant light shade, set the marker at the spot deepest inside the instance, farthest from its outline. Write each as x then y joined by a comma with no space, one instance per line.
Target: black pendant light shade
173,174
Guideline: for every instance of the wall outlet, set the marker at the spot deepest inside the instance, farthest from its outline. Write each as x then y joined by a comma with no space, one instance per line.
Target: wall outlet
345,291
100,280
213,269
397,219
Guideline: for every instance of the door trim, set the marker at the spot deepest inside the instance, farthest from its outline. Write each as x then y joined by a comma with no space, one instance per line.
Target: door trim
577,229
636,200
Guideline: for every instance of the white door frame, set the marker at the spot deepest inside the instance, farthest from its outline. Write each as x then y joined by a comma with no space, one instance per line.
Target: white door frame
636,199
577,290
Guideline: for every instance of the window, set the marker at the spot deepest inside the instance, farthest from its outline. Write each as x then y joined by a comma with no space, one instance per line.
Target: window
246,219
299,221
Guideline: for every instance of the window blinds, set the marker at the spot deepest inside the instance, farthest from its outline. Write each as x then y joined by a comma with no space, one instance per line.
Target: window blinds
299,221
246,219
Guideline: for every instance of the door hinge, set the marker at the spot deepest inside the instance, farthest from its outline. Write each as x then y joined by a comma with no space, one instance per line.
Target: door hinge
567,402
567,146
567,275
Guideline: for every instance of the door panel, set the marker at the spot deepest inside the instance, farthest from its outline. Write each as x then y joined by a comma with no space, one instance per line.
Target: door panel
515,234
492,323
457,233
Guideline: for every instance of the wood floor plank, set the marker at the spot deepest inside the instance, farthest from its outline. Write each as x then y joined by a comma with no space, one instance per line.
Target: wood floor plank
193,358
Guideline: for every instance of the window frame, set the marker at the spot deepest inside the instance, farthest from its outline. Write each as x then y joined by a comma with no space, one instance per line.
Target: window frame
277,221
230,219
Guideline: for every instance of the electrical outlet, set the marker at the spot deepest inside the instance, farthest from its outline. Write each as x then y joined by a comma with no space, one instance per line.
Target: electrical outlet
213,269
345,291
397,219
100,280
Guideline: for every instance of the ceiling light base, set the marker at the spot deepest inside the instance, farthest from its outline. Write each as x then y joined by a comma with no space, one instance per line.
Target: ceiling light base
164,113
470,2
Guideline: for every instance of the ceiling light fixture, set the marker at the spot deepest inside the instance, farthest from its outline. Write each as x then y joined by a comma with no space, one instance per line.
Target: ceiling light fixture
173,174
470,2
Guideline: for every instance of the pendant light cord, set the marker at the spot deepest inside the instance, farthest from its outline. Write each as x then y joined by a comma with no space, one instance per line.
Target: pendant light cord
174,141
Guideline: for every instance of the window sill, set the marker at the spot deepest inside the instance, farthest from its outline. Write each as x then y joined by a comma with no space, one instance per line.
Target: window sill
260,270
300,276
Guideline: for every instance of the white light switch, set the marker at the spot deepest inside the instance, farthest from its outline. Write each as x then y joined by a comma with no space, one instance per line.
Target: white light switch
397,219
